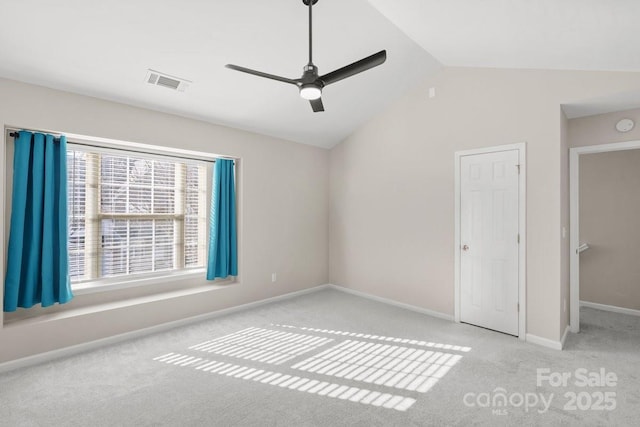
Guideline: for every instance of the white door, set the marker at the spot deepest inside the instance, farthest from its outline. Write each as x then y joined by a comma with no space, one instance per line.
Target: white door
489,240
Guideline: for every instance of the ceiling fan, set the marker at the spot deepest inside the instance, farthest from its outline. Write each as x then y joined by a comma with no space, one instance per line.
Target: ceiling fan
311,84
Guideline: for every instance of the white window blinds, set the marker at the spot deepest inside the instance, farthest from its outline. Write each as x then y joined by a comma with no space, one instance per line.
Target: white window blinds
133,213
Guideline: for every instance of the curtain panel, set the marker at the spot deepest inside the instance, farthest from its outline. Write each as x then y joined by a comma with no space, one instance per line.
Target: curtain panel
223,250
38,260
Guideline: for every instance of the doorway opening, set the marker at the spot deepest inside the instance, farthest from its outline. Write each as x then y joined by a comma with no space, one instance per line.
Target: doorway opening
579,242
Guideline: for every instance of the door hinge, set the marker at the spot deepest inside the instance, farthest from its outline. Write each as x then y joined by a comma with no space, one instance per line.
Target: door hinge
518,307
518,238
518,166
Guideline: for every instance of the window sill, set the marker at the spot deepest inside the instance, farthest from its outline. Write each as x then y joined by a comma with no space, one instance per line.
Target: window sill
107,306
126,282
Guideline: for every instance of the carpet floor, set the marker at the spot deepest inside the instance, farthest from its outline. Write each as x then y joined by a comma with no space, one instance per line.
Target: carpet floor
335,359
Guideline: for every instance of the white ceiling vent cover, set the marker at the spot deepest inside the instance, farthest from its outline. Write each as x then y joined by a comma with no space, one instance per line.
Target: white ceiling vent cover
157,78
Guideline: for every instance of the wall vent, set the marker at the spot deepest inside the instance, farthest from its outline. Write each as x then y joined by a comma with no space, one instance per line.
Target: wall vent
157,78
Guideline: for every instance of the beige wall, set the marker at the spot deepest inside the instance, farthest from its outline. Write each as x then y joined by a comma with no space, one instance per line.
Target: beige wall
389,208
283,191
601,129
392,184
609,212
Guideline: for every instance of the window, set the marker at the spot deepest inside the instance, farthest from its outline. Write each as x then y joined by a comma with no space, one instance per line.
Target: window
132,213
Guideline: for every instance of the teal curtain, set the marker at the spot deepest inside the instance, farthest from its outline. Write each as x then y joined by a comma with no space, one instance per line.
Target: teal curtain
38,259
223,249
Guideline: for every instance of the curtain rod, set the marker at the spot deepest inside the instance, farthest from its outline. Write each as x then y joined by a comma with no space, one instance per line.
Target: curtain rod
16,135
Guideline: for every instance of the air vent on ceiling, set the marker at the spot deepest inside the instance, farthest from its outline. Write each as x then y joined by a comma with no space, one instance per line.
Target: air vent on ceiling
171,82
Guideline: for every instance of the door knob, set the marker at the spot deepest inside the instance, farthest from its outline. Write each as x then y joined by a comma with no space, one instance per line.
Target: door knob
465,248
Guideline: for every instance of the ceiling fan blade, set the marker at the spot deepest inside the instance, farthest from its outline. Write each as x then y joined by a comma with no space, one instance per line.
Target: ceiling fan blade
316,105
355,68
261,74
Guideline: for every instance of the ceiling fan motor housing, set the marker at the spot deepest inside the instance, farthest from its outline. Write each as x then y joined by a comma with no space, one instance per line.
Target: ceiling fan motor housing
310,75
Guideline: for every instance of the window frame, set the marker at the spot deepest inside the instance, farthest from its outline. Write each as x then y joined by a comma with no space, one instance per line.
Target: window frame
136,279
102,284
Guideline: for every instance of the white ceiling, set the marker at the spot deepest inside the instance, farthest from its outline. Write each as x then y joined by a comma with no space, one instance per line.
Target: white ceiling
103,49
606,104
547,34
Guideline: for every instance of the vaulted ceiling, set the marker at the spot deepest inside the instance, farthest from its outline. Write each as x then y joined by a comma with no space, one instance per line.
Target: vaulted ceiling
104,49
542,34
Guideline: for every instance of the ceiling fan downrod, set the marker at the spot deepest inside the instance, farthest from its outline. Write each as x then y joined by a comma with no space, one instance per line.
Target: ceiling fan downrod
310,4
310,86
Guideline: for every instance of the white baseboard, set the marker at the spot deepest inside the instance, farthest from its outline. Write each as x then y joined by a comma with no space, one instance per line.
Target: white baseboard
92,345
612,308
533,339
426,311
545,342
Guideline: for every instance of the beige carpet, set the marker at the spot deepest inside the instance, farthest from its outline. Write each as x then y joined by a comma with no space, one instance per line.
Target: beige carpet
334,359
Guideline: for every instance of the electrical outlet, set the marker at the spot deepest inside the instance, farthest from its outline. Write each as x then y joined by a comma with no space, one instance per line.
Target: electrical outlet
273,277
432,92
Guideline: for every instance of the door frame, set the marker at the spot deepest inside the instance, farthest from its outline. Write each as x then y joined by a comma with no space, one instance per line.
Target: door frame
574,220
521,147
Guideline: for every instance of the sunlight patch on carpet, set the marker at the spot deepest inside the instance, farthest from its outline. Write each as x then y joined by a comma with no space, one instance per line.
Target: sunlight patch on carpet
380,338
291,382
262,345
371,367
382,364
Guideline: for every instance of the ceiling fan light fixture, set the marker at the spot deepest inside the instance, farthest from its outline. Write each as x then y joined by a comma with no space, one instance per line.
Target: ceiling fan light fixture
310,91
